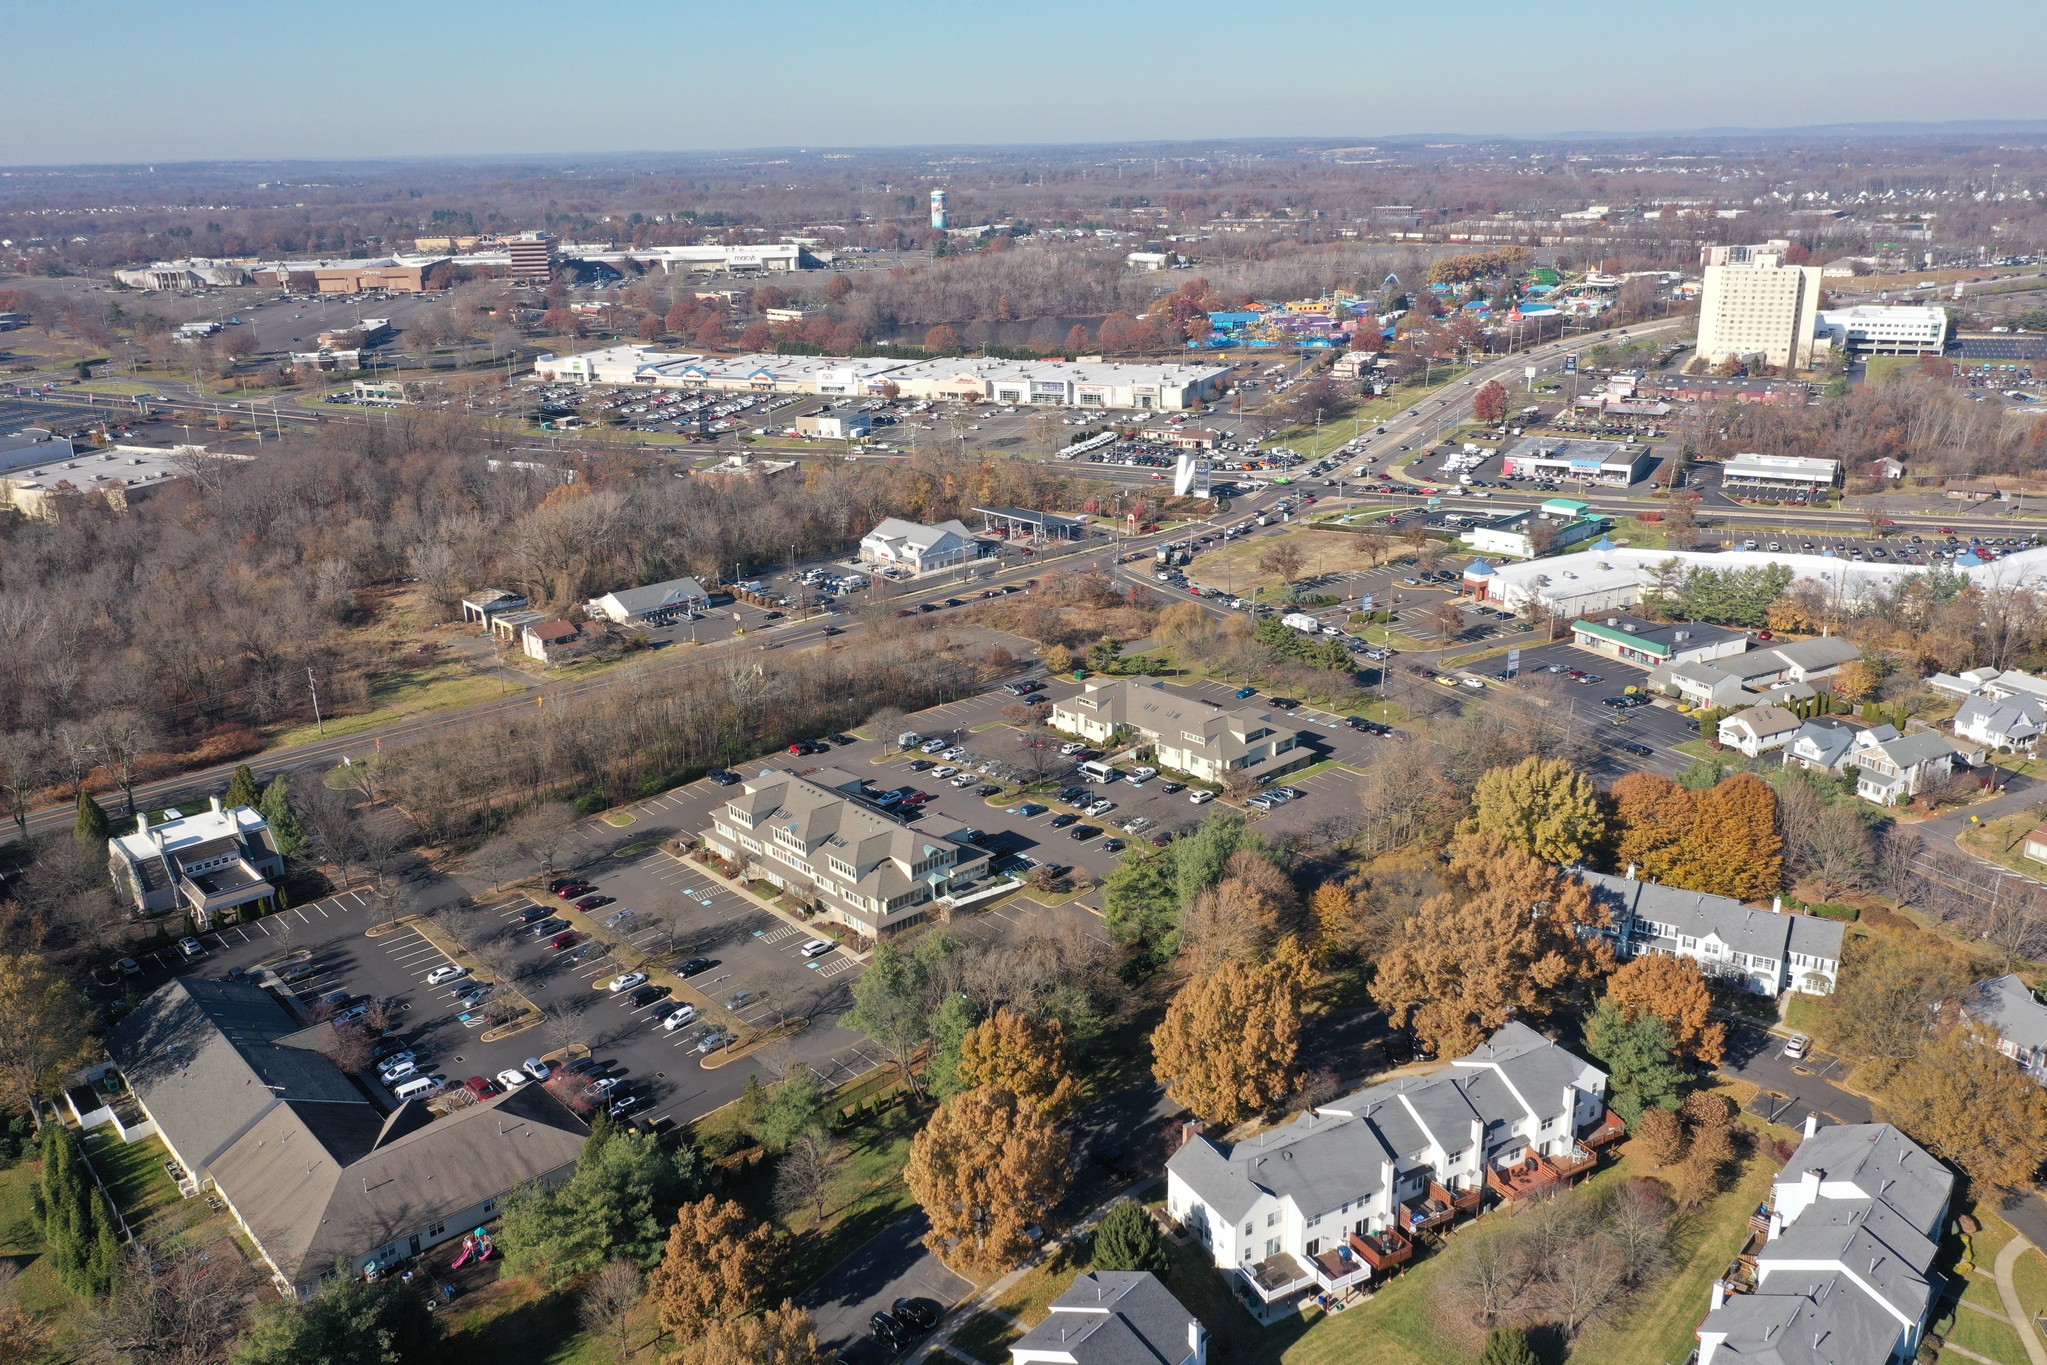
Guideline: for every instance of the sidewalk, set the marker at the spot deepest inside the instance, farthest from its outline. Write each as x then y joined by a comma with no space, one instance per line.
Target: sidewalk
2028,1330
740,888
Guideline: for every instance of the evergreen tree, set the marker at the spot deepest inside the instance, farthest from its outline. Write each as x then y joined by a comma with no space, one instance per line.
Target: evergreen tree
1507,1346
243,789
92,827
285,826
949,1029
1128,1239
347,1323
1637,1054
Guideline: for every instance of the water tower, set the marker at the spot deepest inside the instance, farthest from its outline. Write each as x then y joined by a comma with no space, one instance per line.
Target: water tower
938,210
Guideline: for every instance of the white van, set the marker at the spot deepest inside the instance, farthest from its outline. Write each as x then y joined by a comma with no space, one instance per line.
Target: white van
1094,770
416,1087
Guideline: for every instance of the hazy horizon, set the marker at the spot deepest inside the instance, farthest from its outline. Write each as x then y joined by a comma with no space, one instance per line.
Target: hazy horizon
231,80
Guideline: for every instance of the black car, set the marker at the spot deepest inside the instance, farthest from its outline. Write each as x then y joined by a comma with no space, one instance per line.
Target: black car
1061,821
987,789
1356,723
921,765
1284,703
587,1066
1084,832
724,777
842,739
693,966
921,1314
1113,845
646,995
1639,750
889,1331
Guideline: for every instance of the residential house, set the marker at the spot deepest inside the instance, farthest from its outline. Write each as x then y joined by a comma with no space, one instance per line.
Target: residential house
2012,723
1765,952
920,548
654,604
1823,745
1190,735
1114,1317
1844,1274
216,865
319,1178
1336,1197
1901,767
820,836
2008,1007
1759,729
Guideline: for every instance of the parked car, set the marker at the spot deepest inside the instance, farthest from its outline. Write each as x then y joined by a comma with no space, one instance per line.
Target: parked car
739,1000
646,995
481,1088
450,972
589,903
1201,797
919,1313
191,948
572,891
679,1017
1795,1047
625,981
511,1078
714,1039
818,947
724,777
538,1069
547,928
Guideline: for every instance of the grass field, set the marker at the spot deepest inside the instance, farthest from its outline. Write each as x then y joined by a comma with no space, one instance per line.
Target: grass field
1235,567
36,1287
411,692
2001,841
135,1177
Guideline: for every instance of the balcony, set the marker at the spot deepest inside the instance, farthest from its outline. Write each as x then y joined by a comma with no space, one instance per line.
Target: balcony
1382,1251
1608,1129
1439,1206
1578,1160
1276,1277
1338,1270
1533,1175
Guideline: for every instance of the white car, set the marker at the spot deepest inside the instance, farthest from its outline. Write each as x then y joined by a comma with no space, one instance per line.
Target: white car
627,981
511,1078
1201,798
397,1069
538,1069
450,972
683,1016
191,947
940,774
818,947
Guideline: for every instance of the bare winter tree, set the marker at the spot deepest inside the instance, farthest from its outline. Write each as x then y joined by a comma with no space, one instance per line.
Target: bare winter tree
123,736
176,1305
803,1176
608,1302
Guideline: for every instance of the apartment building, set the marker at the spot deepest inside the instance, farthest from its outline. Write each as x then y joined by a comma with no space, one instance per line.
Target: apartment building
1766,952
1335,1198
819,836
1188,735
1840,1268
1760,309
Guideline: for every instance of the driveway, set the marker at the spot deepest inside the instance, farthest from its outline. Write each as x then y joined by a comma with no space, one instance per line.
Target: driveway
894,1265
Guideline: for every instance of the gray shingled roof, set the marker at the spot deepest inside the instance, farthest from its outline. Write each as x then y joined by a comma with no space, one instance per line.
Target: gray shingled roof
1760,933
1832,1325
1116,1317
2008,1005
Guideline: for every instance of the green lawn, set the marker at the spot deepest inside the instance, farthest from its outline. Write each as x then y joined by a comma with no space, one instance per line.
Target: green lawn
2029,1277
432,688
1988,1337
36,1288
144,1192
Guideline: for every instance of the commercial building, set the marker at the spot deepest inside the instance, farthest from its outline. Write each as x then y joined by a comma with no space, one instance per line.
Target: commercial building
1891,329
391,274
1337,1197
321,1182
1186,734
1645,644
1532,533
1114,1317
1841,1270
2007,1007
1765,952
532,257
820,837
1759,310
835,426
1609,464
1797,478
919,548
652,605
40,475
215,866
1734,680
1089,384
196,272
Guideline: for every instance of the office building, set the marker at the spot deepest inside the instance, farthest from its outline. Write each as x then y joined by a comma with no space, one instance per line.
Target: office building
532,257
215,865
822,838
1897,329
1186,734
1759,311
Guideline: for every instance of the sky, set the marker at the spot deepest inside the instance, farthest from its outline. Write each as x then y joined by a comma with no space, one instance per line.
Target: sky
145,80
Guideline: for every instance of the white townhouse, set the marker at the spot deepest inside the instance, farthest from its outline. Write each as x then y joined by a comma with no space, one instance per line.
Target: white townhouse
1844,1274
1767,951
1758,730
1334,1198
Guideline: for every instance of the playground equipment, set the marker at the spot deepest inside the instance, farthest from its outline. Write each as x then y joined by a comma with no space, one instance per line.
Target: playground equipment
475,1247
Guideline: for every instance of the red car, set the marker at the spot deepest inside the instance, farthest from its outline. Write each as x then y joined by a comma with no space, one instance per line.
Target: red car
481,1088
916,798
567,939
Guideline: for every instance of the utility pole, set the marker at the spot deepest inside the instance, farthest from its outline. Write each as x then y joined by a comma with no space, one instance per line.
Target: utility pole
314,689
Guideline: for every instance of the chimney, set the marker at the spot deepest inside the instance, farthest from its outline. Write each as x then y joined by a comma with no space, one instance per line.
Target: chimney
1719,1294
1197,1339
214,801
1631,872
1812,1123
1776,905
1190,1130
142,822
